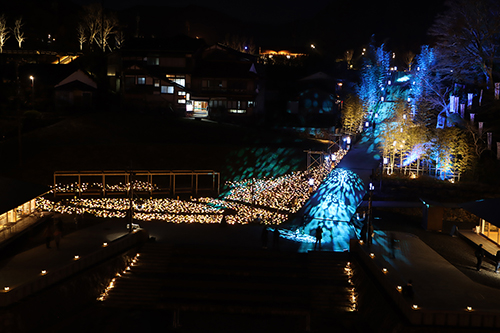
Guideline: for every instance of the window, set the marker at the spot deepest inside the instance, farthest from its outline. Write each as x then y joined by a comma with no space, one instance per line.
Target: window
181,101
167,89
179,79
181,93
141,80
157,83
153,60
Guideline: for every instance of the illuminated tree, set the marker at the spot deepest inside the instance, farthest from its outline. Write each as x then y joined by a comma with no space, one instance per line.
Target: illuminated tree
408,59
18,34
450,152
92,22
109,23
119,39
467,39
4,32
98,25
81,35
429,93
374,76
348,57
353,115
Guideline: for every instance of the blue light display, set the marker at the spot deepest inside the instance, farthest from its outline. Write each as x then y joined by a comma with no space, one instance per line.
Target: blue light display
332,207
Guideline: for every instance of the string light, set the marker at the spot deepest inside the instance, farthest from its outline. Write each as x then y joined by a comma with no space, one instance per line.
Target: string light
272,199
112,283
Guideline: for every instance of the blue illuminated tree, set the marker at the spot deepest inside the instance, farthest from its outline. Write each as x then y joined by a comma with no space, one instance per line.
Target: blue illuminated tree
374,76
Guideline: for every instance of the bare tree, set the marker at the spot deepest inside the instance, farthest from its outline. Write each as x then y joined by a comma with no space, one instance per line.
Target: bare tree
478,138
17,31
240,43
81,35
348,57
98,25
4,32
408,58
109,23
92,22
119,39
467,39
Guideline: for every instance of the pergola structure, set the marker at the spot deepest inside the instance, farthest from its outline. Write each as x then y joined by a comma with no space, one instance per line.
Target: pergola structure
172,187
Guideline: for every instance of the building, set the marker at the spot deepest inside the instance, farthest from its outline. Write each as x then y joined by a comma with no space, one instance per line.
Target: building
18,210
77,91
486,211
184,76
224,83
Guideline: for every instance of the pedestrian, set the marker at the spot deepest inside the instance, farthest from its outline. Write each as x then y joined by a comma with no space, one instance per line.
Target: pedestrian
264,237
363,232
371,233
479,255
59,225
319,236
57,235
276,238
223,222
408,289
49,233
392,241
498,261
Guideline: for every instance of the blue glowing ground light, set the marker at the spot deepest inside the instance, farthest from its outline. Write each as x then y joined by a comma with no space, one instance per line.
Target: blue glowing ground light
332,206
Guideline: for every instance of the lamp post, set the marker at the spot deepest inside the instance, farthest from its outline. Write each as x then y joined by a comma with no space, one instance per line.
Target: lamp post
32,78
370,213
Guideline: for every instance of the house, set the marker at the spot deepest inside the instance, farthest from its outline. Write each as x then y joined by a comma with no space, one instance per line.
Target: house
488,219
184,76
75,92
224,83
154,74
18,210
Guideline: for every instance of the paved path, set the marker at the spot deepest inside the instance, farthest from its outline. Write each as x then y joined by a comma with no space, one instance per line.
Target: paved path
436,282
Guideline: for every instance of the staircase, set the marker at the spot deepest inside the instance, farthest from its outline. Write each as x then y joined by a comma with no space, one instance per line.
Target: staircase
232,281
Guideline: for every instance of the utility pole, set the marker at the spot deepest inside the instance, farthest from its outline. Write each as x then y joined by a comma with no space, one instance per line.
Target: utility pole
131,201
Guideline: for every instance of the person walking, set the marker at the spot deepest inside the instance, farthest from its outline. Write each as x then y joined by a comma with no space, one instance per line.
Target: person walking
57,235
479,256
392,241
263,237
276,238
49,233
497,257
319,237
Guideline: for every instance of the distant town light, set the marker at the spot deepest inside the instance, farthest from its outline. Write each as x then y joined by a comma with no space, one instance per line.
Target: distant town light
313,46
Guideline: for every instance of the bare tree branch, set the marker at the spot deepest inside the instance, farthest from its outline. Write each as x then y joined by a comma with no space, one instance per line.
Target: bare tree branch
4,32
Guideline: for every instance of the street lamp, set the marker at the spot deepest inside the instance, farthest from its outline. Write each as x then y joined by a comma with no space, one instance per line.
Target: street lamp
32,78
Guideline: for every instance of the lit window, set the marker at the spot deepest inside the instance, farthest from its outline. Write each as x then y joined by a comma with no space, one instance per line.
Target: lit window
250,103
141,80
167,89
181,93
179,79
157,83
181,101
237,111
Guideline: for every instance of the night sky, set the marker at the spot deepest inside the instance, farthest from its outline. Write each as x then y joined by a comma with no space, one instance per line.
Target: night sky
257,10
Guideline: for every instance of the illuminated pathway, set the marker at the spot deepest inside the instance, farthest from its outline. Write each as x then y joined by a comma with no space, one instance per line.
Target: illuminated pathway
272,200
336,199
